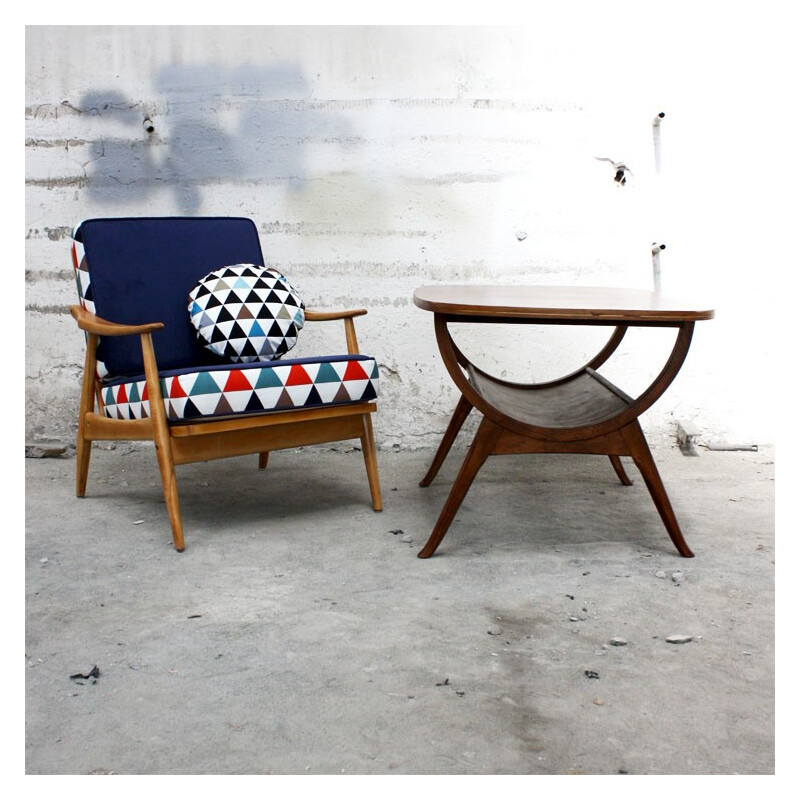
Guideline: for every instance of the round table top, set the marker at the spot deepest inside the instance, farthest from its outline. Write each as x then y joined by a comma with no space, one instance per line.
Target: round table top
567,303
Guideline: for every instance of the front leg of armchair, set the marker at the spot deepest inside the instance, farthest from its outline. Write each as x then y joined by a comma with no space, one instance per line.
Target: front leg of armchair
92,426
83,448
162,440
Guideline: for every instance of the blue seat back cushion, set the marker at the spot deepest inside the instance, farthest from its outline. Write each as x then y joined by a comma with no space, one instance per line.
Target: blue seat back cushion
142,270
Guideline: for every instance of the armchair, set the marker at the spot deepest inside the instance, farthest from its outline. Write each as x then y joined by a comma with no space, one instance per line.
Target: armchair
185,336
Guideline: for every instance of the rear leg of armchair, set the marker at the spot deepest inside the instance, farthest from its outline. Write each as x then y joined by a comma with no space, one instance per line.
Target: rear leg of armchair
371,462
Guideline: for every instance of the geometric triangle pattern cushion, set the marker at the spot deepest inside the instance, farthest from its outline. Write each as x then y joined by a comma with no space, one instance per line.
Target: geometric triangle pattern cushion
219,391
246,313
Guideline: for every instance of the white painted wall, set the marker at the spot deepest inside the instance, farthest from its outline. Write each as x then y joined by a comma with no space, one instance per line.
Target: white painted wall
377,159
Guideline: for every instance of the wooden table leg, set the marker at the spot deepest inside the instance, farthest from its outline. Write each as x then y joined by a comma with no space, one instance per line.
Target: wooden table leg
620,470
480,449
643,458
457,420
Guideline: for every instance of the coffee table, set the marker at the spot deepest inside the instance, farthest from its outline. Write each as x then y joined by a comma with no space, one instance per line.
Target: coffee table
581,412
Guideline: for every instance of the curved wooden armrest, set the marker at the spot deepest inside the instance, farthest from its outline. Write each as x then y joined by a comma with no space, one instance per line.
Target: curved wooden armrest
323,316
94,324
349,325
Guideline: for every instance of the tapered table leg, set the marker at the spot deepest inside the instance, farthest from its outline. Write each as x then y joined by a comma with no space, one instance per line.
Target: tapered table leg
456,421
643,458
480,449
620,470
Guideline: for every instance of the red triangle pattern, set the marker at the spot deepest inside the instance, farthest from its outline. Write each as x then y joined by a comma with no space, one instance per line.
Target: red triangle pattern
297,376
237,382
355,372
175,389
356,385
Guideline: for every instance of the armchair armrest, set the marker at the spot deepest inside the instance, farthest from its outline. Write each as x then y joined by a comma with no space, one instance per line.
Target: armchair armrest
97,326
349,325
322,316
91,323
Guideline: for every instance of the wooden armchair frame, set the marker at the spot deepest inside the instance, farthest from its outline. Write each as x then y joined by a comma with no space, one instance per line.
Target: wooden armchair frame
213,438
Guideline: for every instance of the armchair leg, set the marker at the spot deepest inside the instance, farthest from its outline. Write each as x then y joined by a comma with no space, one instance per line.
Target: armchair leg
83,446
262,460
371,462
167,467
162,441
83,452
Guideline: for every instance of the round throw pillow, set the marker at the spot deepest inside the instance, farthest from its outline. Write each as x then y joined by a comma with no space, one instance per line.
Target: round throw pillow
246,313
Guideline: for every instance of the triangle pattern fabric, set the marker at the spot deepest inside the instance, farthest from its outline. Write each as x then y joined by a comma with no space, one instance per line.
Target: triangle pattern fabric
248,388
246,313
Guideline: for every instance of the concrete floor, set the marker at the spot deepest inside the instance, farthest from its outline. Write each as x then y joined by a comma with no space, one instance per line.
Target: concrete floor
298,634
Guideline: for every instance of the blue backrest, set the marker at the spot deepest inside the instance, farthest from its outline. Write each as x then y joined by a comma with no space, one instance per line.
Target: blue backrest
142,270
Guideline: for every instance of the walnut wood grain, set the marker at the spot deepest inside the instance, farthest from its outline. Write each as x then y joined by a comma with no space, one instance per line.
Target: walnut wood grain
563,304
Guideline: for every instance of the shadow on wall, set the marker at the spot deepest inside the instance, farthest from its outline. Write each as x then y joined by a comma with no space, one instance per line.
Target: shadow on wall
207,125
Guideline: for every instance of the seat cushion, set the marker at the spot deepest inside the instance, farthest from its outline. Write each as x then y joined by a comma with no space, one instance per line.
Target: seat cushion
246,313
258,387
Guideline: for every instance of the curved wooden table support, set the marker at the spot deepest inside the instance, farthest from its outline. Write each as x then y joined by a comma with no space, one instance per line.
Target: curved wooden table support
581,412
620,470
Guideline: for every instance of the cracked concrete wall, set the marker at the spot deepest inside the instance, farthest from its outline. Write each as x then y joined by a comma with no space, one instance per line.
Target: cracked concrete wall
374,160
